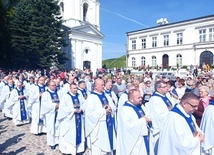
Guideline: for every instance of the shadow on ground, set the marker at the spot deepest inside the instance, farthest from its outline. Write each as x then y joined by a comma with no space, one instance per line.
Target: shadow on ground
12,141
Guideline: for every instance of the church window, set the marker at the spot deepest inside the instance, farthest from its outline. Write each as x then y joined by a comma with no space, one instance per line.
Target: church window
62,6
85,10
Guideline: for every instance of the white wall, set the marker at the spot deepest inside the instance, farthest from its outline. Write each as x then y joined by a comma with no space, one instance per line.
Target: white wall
190,54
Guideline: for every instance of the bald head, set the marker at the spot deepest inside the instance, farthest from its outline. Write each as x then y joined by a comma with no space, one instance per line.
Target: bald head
99,85
10,82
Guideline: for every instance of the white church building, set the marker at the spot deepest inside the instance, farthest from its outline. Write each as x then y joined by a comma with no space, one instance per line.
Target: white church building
188,42
82,23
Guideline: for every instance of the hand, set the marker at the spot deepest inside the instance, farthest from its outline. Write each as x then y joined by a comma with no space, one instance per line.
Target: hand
78,111
147,119
112,99
200,136
21,96
57,106
108,109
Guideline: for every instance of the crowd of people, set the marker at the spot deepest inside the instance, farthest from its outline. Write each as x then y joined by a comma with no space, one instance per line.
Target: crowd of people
121,114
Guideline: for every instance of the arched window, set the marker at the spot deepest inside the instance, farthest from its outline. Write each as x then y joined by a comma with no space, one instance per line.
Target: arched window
154,63
62,6
133,62
62,9
85,10
143,61
179,59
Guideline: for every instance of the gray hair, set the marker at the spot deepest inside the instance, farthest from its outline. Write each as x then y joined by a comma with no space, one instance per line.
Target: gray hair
158,84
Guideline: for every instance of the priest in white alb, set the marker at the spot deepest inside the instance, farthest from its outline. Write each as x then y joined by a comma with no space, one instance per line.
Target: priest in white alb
133,134
99,121
180,134
207,126
71,127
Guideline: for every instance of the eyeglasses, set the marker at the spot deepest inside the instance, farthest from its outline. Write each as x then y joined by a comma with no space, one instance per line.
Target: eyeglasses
163,87
193,106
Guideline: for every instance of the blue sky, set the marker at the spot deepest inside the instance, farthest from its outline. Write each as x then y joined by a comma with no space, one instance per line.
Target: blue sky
120,16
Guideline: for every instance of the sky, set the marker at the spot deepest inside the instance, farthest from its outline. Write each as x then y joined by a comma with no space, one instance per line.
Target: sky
120,16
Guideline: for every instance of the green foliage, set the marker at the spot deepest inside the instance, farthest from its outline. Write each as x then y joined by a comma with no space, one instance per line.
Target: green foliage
115,62
37,35
148,68
177,65
184,67
212,66
157,67
6,12
174,69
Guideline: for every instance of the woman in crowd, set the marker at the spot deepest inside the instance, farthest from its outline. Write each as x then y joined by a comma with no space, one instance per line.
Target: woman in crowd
180,89
203,103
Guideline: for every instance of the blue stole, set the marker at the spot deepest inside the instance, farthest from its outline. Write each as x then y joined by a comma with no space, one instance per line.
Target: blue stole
58,87
165,99
109,118
41,90
5,83
78,118
212,102
140,113
174,92
108,92
126,92
23,112
11,87
84,94
188,119
54,96
55,99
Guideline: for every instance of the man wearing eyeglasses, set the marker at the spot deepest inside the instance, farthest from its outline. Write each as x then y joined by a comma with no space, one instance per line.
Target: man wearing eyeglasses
180,134
158,107
49,109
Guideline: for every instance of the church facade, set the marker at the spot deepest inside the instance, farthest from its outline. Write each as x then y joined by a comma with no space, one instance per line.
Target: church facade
82,24
184,43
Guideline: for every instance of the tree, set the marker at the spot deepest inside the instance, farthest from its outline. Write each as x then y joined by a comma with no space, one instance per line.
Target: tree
6,12
37,35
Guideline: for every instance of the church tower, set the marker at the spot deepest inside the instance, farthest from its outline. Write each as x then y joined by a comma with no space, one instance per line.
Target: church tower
77,12
82,22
